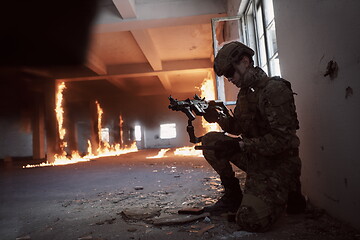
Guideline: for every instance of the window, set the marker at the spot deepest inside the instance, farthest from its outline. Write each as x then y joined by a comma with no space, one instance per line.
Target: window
105,135
255,27
137,133
258,25
168,131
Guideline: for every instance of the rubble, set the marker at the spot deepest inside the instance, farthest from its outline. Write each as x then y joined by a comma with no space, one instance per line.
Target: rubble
26,237
140,213
107,221
88,212
177,219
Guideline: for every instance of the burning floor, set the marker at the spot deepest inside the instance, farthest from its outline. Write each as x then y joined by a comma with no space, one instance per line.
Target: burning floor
133,197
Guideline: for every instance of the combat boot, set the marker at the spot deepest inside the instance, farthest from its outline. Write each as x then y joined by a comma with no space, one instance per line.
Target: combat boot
230,201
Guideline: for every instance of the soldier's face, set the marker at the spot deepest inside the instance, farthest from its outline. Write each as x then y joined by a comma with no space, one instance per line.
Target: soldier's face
240,69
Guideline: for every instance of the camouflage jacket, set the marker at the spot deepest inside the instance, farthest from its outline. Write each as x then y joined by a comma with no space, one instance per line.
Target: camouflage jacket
265,116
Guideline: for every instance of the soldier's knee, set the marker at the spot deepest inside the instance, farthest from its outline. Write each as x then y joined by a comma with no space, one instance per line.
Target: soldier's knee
254,215
211,137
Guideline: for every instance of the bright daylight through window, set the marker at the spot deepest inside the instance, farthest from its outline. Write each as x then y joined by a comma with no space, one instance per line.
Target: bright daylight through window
260,34
137,133
105,135
168,131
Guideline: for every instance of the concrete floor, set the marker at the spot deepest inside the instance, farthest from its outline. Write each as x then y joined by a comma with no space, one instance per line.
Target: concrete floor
86,201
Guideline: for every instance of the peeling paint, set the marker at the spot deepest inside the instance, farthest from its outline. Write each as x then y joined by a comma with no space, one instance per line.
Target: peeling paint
331,69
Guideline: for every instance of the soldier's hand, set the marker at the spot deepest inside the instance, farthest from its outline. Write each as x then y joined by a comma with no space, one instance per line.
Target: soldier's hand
227,148
211,115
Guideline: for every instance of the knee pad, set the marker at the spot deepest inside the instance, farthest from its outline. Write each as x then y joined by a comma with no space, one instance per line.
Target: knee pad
254,215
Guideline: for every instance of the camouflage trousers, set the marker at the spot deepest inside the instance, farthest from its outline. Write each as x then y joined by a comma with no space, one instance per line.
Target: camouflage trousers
268,183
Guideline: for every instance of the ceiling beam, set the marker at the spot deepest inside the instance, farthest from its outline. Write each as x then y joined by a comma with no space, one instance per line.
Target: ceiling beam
130,25
161,12
146,44
164,79
95,64
141,70
126,8
120,84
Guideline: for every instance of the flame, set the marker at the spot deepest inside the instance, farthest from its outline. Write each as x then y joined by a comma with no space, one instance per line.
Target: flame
161,153
121,122
100,113
104,149
208,91
59,110
188,151
115,150
75,156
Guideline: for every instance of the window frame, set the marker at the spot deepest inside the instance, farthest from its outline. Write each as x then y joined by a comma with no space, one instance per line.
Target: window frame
249,34
254,6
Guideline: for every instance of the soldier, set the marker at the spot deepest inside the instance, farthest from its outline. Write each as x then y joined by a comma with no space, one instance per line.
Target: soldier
266,119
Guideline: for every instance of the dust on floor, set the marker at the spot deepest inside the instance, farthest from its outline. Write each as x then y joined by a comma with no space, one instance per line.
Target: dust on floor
124,197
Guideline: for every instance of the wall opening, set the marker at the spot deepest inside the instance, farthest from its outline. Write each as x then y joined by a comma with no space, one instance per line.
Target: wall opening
168,131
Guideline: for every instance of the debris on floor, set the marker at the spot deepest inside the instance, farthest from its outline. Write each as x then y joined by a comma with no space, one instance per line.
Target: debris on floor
140,213
177,219
85,202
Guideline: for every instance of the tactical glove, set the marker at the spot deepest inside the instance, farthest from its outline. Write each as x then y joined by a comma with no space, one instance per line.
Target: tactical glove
227,148
211,114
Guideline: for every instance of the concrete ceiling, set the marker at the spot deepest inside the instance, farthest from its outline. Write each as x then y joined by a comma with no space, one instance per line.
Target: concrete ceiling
152,47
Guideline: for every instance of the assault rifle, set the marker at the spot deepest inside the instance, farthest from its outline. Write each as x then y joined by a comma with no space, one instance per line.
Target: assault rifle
198,106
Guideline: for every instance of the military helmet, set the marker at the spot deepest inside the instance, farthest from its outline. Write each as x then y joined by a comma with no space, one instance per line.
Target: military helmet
228,54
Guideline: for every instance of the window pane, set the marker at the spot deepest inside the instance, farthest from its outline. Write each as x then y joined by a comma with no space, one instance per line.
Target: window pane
265,68
275,67
268,11
271,38
263,59
137,133
168,131
259,22
250,32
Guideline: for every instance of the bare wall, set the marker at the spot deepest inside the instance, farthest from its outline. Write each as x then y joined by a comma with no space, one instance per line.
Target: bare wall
310,34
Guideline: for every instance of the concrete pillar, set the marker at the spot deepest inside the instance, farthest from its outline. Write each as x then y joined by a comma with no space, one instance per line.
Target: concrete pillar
94,138
52,134
38,128
72,132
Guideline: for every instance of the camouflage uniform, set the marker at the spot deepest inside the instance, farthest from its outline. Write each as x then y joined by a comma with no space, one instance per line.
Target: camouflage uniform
265,116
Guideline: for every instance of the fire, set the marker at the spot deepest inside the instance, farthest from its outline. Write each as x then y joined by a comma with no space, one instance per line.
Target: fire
99,113
188,151
104,149
208,91
183,151
60,111
161,153
121,122
75,156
